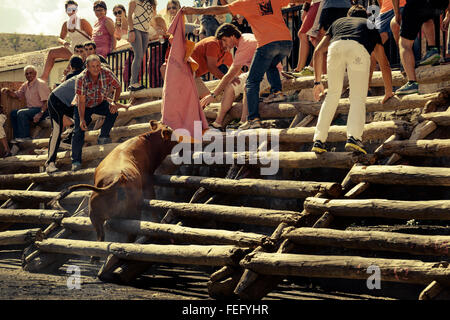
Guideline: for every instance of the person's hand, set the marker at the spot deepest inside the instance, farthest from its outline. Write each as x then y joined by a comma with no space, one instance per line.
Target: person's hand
398,18
445,23
6,90
66,44
113,107
131,36
318,90
83,125
387,96
37,117
197,31
206,100
235,81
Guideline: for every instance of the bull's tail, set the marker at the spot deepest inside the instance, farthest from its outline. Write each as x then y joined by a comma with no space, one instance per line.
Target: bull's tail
54,203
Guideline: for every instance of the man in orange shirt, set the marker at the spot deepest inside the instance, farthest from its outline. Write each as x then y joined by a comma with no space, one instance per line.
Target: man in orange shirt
274,44
211,57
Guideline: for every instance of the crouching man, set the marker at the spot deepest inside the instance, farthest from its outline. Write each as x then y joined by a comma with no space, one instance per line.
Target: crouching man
92,88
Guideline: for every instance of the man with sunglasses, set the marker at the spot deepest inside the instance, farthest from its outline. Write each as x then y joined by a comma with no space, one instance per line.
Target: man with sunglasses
74,31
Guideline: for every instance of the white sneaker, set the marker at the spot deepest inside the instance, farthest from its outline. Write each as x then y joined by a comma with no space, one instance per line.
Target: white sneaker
50,168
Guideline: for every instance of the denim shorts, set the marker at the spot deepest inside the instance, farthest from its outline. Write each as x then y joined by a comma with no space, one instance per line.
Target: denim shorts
385,20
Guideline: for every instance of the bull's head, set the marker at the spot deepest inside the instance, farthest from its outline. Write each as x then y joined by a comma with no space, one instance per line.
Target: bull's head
166,131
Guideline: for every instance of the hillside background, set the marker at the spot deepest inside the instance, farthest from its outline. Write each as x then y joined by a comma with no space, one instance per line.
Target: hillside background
14,43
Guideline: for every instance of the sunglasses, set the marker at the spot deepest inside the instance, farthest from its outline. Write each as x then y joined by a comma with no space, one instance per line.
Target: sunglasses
172,8
117,12
71,9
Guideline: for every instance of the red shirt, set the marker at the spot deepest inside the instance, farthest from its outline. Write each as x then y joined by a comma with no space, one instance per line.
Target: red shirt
96,92
210,47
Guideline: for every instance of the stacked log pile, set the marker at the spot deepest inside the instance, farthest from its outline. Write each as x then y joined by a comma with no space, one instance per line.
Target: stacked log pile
252,249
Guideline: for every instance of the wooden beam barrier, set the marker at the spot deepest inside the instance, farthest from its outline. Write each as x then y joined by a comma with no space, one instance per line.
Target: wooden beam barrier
20,236
346,267
177,233
401,174
246,215
372,240
380,208
257,187
423,148
89,153
40,216
440,118
176,254
373,104
14,179
283,159
40,196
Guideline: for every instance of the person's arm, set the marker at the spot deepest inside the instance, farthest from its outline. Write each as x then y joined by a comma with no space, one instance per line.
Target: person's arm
227,79
63,35
446,21
81,104
319,55
214,10
383,62
86,27
211,63
397,15
131,35
11,93
110,27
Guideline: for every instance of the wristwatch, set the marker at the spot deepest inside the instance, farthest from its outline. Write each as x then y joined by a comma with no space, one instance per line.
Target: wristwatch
316,83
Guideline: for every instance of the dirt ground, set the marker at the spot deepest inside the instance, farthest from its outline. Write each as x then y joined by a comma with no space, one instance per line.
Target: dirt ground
159,283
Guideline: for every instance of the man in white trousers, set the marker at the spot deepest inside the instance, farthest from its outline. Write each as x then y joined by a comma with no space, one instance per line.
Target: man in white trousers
349,42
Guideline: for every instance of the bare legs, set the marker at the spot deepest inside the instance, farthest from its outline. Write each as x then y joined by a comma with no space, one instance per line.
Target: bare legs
53,54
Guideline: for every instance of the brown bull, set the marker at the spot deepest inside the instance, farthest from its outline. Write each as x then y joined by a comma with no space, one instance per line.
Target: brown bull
124,178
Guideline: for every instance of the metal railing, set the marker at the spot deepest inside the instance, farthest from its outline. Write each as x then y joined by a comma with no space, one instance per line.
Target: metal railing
150,76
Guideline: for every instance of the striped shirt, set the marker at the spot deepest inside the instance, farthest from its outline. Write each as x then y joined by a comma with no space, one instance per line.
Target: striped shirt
96,92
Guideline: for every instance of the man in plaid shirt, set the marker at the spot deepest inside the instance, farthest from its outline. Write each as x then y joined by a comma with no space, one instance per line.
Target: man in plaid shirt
92,88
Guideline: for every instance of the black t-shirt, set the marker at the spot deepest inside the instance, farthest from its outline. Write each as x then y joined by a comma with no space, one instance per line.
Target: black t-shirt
352,28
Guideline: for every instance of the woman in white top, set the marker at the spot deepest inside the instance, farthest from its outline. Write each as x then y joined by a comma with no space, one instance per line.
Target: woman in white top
77,29
139,16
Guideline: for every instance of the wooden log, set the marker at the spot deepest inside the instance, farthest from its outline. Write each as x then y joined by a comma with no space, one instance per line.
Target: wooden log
40,216
408,175
258,187
372,240
247,215
431,291
423,74
40,196
92,135
172,232
20,236
381,208
423,148
136,111
8,180
346,267
440,118
284,159
176,254
89,153
373,104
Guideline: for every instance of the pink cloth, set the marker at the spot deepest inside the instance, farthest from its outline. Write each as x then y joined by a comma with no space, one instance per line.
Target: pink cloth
245,50
101,37
34,93
181,105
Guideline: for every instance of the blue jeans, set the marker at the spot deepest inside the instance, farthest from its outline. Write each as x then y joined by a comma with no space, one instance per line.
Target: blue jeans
265,60
78,134
21,118
210,25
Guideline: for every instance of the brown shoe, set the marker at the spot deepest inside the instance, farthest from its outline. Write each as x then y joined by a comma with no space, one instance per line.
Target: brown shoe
251,124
